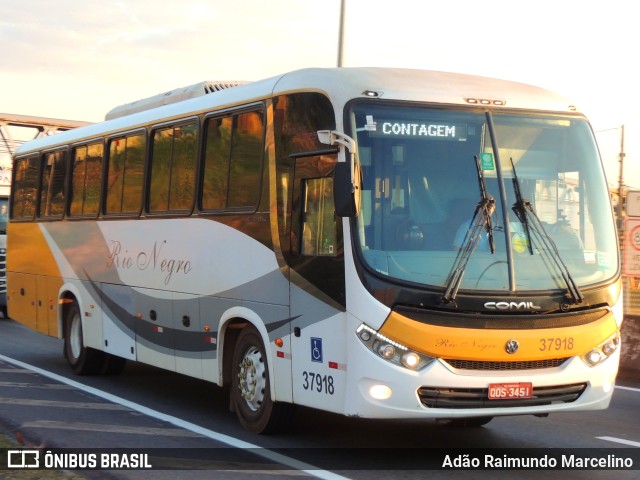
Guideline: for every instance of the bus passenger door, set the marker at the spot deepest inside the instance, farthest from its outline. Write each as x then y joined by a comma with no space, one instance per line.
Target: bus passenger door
317,288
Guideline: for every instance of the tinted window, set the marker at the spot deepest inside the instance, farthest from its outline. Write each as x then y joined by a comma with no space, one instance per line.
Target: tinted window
246,160
25,188
125,174
173,162
86,179
52,191
233,161
298,117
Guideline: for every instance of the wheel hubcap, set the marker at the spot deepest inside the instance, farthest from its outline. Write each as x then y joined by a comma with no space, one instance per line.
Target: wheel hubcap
252,378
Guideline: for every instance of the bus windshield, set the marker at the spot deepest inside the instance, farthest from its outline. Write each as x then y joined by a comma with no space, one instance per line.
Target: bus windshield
424,171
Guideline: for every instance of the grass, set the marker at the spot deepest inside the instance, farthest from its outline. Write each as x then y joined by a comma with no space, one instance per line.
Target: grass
8,442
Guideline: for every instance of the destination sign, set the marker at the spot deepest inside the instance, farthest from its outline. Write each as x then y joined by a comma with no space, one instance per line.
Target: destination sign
417,129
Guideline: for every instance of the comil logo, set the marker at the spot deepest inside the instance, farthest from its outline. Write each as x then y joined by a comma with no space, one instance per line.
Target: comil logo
511,306
23,459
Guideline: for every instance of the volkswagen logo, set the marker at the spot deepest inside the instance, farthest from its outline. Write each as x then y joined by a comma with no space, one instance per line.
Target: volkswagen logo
511,346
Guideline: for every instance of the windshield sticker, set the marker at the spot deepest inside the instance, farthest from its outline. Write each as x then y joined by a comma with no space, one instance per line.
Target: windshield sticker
416,129
589,257
604,260
519,242
371,125
487,161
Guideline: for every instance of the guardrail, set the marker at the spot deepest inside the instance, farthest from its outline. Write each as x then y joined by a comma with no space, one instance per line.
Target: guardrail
630,359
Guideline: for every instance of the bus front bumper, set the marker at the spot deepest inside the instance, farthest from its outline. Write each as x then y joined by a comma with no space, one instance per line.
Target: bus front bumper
440,391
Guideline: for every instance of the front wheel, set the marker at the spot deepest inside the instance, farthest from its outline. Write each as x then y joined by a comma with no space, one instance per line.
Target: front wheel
250,391
82,360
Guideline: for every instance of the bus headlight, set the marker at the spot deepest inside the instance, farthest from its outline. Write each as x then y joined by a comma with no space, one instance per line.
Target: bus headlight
392,351
603,351
386,351
410,360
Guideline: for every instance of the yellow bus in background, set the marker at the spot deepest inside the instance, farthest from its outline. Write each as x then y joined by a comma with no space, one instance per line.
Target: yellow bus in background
380,243
5,192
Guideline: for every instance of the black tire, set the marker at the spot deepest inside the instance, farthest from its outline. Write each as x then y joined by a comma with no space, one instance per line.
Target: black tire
113,365
82,360
250,391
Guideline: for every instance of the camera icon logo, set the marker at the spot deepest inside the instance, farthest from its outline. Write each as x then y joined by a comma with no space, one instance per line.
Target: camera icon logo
23,458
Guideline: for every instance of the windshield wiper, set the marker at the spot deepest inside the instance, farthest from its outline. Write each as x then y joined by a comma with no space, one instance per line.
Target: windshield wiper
531,222
481,221
521,206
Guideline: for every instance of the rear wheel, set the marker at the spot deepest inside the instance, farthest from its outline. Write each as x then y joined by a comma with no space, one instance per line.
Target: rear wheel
250,392
82,360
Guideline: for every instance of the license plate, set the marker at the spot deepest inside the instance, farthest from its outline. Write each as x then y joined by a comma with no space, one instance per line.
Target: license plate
510,391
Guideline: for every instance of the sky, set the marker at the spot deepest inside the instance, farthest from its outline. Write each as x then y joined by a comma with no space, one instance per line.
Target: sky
77,59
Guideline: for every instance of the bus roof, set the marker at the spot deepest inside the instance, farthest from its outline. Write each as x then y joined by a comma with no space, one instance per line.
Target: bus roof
340,85
172,96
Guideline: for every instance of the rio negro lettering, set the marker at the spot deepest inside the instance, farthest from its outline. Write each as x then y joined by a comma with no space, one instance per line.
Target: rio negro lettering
152,259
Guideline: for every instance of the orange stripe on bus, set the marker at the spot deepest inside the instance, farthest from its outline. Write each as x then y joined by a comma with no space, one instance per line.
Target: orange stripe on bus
489,344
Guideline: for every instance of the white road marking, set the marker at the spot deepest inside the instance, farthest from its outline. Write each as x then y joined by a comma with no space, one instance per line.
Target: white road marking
212,434
620,440
61,404
637,390
46,386
98,427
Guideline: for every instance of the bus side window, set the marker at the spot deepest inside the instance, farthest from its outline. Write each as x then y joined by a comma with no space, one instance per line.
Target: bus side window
173,160
319,231
233,162
216,163
86,179
125,174
245,171
52,198
25,187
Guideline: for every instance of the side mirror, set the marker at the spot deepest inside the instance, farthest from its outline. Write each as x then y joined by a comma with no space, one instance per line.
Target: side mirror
347,177
346,190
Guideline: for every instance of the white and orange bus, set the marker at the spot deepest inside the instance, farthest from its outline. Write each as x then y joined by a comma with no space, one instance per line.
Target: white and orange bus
373,242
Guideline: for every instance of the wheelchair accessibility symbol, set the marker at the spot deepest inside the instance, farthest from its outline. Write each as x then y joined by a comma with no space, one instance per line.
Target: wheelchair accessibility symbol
316,349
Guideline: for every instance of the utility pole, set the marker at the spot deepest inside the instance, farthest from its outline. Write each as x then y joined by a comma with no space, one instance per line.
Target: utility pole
621,180
341,34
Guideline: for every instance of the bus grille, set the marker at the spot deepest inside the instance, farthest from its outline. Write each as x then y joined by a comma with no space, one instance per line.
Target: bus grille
453,398
493,366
